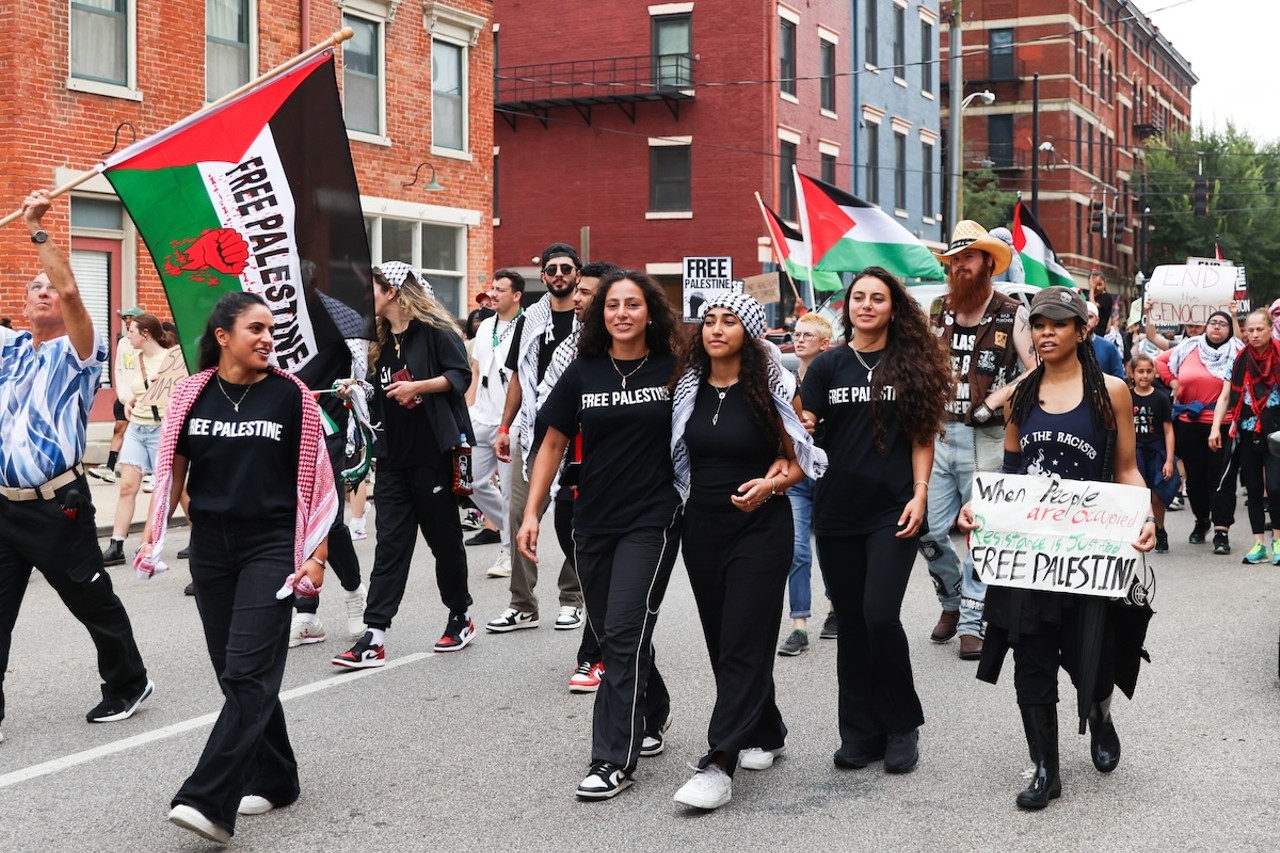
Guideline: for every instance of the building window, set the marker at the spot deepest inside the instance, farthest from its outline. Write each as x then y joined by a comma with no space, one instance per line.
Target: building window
362,76
873,163
786,183
926,54
100,41
899,171
828,90
926,181
438,250
670,177
226,48
899,40
872,34
673,51
1001,45
787,56
448,102
829,168
1000,141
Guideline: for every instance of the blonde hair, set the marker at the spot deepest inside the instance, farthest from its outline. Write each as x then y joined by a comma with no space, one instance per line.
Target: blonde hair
820,324
419,306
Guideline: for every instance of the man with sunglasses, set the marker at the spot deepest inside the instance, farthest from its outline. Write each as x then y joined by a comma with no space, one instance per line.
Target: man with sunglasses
539,331
48,378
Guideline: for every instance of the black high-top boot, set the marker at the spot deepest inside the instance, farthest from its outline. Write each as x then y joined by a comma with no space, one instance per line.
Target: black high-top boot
1104,743
1040,722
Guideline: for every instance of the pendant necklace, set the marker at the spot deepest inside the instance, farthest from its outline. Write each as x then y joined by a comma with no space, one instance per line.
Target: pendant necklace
626,376
396,339
720,392
870,370
235,404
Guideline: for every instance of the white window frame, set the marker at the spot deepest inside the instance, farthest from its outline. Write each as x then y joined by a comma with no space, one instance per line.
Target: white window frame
826,36
252,46
379,12
462,29
423,214
129,91
791,16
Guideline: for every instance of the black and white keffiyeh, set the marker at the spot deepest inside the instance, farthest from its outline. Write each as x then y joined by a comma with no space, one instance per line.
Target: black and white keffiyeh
537,325
812,459
396,272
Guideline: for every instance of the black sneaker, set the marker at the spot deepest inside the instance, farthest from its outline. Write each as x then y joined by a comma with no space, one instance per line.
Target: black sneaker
1198,532
655,742
458,631
1221,544
901,752
185,553
114,555
1162,541
795,643
114,710
363,655
189,589
604,781
850,757
830,627
485,537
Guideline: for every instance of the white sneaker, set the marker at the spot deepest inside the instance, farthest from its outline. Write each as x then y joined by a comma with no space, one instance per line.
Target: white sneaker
148,484
305,629
253,804
512,620
501,567
190,819
357,531
755,758
569,618
710,788
355,601
102,472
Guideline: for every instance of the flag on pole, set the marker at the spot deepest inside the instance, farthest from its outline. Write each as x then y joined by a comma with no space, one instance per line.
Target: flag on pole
792,253
846,234
258,194
1039,262
1217,252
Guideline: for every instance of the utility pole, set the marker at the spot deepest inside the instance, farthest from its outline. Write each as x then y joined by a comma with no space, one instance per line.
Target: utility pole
1035,145
955,208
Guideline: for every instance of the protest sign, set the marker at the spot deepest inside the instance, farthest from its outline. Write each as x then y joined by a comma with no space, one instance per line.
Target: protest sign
702,275
172,371
763,288
1189,294
1056,535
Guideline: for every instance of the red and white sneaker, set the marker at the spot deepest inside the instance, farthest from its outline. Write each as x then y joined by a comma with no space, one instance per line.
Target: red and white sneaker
458,631
586,678
363,655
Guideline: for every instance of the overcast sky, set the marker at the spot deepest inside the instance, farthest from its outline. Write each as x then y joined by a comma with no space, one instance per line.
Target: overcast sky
1231,47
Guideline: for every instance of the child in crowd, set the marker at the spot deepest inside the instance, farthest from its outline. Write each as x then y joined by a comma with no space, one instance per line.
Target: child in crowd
1153,426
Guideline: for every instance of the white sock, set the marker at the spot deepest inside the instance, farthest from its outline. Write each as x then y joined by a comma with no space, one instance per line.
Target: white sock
378,635
119,539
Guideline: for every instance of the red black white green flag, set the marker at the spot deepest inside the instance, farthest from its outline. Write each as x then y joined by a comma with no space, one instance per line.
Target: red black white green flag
258,194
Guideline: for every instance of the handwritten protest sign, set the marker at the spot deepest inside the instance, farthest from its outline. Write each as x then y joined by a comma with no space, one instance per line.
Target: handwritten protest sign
1056,535
172,371
1189,294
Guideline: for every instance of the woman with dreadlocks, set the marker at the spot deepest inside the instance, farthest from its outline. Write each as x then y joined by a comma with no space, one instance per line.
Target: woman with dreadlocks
882,398
1249,402
1068,419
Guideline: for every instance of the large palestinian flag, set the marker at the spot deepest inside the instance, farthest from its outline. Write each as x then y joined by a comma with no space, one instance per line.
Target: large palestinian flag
1039,262
792,253
258,194
846,234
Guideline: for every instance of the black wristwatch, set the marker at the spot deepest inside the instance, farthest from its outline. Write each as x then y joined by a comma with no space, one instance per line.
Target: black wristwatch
982,413
39,237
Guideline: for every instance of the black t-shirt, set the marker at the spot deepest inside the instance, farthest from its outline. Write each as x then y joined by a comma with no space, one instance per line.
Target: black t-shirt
728,453
244,464
559,329
408,440
962,344
864,489
1150,414
1106,302
626,481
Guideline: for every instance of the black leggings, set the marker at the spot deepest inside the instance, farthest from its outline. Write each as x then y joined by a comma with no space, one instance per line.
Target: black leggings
1211,476
1255,460
1037,656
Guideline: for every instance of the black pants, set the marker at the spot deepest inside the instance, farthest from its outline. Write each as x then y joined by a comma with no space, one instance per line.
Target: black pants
412,500
65,550
1211,474
867,578
1037,656
342,553
237,567
1258,465
624,579
738,565
589,645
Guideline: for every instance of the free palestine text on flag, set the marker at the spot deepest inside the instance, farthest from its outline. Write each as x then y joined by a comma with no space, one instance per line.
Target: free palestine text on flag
258,194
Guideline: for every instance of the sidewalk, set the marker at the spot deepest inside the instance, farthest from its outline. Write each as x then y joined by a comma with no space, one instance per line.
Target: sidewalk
106,496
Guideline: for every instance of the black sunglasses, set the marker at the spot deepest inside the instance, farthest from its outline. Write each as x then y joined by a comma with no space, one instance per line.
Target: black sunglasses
565,269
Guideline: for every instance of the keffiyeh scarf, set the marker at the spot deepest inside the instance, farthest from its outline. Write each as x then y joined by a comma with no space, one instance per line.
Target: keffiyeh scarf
537,325
1217,360
397,272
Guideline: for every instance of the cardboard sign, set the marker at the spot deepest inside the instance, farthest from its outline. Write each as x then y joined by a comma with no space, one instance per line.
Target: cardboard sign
763,288
700,276
172,371
1189,294
1056,535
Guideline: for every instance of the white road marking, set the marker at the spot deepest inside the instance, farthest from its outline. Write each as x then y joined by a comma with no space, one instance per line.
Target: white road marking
58,764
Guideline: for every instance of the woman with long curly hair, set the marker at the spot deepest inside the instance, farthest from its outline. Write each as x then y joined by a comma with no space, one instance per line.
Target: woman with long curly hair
615,395
882,398
420,374
736,444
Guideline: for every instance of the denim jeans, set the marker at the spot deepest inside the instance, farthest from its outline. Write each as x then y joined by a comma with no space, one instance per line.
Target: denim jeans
960,453
798,591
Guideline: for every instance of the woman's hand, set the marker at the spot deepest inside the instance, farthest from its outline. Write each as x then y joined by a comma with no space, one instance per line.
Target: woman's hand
966,520
404,393
913,515
781,469
1166,472
343,388
809,422
753,493
1147,537
527,538
1215,439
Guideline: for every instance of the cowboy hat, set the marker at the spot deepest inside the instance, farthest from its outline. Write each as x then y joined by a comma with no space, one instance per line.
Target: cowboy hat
970,235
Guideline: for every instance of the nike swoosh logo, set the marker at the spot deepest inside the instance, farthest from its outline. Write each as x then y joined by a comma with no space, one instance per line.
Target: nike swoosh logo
437,490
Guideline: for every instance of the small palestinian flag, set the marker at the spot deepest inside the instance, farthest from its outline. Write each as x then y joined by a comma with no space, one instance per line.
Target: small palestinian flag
1039,262
846,234
257,194
792,253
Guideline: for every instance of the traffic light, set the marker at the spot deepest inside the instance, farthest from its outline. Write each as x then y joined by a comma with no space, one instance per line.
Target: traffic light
1118,224
1099,218
1200,206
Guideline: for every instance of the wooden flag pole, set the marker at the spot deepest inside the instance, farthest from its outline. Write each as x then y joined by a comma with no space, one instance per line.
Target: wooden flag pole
332,41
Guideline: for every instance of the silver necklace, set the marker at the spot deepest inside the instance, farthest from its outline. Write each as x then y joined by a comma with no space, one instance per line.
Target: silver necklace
720,392
235,404
870,370
626,376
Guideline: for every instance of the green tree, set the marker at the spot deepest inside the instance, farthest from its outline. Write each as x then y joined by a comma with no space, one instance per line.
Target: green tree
984,202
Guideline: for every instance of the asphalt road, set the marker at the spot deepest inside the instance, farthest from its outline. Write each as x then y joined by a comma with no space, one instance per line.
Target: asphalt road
481,750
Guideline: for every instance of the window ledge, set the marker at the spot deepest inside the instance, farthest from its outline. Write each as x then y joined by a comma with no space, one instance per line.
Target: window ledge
787,96
829,113
928,220
497,220
371,138
925,94
668,214
110,90
900,81
451,153
900,213
873,68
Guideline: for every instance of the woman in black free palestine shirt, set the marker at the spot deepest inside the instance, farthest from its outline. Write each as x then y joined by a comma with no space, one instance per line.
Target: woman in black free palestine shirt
881,400
627,514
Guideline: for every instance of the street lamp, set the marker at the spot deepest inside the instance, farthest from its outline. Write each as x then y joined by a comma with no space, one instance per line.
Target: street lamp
955,206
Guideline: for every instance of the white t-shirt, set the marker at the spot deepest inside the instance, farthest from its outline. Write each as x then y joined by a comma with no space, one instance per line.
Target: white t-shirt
491,345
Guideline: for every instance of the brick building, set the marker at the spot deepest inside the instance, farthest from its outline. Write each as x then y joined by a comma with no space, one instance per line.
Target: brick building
418,89
1108,83
653,125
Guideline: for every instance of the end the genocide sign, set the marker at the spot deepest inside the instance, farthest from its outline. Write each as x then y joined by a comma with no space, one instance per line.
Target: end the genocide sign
1056,535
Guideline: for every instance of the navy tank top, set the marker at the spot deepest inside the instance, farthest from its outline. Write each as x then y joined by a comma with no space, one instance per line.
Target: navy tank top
1068,445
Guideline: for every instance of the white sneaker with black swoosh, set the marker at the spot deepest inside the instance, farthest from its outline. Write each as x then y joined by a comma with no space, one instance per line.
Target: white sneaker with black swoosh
512,620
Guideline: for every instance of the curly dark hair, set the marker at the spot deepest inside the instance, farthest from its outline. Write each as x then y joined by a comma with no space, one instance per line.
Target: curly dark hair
1027,394
753,374
661,333
914,362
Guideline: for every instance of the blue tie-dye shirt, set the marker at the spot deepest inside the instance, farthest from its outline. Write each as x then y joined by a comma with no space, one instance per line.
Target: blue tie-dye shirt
45,397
